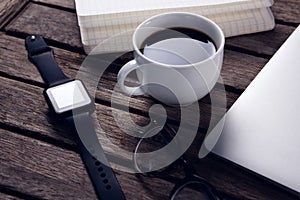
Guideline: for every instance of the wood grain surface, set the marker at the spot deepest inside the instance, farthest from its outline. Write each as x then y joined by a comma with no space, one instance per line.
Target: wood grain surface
9,197
287,11
64,4
48,172
8,8
39,159
52,23
55,156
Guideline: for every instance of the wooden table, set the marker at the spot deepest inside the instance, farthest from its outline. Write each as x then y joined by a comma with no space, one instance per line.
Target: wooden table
40,160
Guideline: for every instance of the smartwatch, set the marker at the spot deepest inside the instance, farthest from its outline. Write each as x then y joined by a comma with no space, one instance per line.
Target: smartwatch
70,100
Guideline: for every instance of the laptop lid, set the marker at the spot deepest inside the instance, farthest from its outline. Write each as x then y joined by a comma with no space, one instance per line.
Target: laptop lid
262,129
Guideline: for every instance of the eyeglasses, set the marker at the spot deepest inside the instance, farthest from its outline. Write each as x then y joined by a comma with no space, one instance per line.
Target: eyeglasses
192,186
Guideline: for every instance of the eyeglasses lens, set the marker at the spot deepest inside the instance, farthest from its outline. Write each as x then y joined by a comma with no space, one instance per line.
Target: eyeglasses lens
191,191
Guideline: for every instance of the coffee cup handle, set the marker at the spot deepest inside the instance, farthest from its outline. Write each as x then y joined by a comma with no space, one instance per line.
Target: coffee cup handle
123,73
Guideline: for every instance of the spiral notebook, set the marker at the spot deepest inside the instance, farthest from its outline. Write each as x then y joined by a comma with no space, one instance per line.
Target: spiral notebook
100,20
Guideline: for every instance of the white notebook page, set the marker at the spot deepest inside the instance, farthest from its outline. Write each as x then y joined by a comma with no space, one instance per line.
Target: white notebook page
98,7
248,21
98,20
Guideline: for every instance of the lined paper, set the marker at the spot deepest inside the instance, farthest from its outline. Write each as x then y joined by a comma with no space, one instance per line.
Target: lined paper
99,20
98,7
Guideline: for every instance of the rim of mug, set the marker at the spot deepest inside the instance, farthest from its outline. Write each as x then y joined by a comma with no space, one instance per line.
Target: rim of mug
220,48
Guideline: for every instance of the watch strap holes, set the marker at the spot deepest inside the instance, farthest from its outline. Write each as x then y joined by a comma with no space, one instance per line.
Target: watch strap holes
108,187
97,163
103,175
105,181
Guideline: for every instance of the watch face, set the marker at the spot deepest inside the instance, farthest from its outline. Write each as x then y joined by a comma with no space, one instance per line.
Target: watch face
68,96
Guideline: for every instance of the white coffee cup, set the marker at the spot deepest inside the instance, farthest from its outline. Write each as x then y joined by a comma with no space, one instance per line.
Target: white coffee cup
174,70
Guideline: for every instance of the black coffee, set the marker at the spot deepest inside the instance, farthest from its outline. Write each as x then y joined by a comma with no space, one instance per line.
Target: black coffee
181,32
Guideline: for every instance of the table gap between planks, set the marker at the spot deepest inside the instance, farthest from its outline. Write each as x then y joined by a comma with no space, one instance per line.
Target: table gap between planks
40,160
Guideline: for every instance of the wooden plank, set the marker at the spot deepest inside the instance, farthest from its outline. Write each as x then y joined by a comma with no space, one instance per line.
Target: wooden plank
45,171
19,98
49,22
233,72
38,119
66,3
36,122
8,8
39,169
40,166
15,63
42,170
219,172
265,43
23,69
240,69
8,197
287,11
238,183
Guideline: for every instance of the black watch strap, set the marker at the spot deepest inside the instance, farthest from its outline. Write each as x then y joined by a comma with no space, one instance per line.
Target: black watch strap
102,176
41,55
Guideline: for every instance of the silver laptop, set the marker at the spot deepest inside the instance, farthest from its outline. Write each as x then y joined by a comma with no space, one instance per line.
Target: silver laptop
262,128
